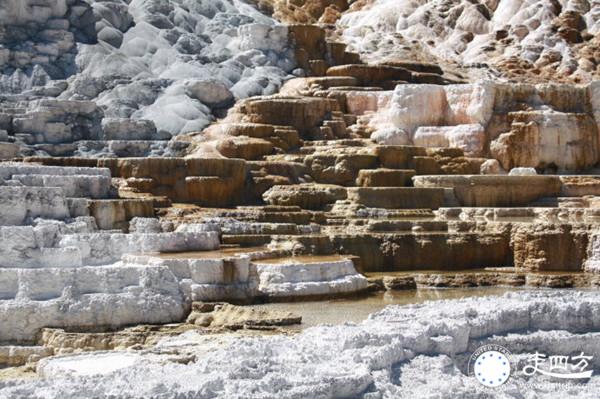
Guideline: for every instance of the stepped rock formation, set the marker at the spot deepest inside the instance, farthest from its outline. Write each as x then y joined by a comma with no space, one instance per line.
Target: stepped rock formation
59,269
161,157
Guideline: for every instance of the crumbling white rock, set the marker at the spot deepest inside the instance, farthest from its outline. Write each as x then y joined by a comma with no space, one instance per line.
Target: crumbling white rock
107,247
400,351
85,296
19,204
491,167
391,136
237,277
416,105
295,278
470,138
144,225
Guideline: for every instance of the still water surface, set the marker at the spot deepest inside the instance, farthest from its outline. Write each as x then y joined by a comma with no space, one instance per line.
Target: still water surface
341,310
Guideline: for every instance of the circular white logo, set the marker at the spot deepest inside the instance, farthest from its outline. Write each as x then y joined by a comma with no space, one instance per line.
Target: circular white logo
490,365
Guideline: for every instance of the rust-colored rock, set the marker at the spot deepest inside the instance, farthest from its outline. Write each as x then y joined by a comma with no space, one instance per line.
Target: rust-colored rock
441,251
206,181
339,167
398,156
283,137
303,11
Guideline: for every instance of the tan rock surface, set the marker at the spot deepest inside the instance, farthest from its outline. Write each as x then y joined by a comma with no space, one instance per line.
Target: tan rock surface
578,186
397,197
303,11
547,247
306,196
538,139
305,114
225,315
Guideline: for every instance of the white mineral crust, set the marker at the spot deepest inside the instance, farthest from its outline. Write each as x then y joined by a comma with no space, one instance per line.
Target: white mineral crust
402,351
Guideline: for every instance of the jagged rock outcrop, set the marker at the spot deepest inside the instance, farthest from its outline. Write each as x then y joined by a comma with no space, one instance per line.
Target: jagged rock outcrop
305,114
304,11
307,196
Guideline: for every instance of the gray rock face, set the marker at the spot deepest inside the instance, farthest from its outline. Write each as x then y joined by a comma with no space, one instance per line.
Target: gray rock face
129,129
145,225
209,91
153,68
38,41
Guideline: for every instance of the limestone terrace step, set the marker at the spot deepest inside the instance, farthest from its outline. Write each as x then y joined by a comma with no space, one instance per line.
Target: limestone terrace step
397,197
7,169
494,190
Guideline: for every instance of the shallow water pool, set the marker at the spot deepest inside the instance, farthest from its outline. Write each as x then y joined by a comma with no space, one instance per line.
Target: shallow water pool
356,310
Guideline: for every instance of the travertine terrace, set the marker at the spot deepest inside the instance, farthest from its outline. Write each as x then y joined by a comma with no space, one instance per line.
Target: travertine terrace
158,157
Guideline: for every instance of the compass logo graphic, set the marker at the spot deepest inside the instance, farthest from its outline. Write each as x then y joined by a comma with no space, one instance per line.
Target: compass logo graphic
490,365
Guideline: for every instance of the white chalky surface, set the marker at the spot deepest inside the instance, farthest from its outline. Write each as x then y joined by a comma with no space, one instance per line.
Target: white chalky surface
402,351
94,364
